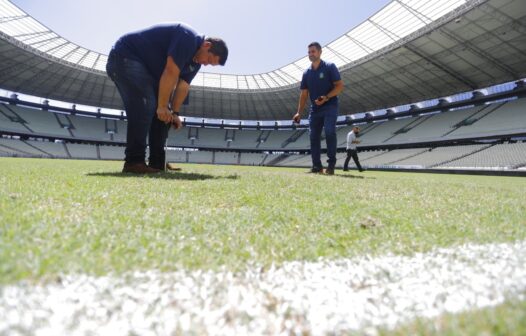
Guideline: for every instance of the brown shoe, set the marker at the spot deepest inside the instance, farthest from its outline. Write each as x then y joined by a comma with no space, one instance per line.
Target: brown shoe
316,170
139,168
172,167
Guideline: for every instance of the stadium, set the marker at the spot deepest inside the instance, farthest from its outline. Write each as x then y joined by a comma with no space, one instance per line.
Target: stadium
430,239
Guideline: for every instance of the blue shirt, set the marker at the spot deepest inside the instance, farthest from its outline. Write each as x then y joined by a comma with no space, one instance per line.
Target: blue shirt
320,82
153,45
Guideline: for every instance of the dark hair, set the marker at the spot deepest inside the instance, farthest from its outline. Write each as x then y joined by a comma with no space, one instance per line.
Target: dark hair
316,45
218,48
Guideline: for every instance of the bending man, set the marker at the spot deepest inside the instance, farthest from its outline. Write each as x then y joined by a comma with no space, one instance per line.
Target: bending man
147,66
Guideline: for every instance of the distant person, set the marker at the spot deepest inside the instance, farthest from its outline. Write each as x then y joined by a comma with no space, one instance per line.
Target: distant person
352,141
322,83
147,66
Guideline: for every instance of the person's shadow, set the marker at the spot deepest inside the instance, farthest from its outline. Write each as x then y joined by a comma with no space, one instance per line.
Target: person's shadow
350,176
166,176
356,177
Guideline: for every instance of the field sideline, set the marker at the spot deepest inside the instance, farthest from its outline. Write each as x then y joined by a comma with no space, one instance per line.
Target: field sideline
85,217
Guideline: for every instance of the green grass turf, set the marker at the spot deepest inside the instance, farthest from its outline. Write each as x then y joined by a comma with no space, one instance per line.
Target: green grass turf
507,319
65,216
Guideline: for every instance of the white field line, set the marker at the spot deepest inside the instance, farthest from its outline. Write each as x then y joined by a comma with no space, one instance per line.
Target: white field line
357,294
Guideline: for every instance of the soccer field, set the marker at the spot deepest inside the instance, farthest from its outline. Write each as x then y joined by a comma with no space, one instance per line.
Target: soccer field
65,218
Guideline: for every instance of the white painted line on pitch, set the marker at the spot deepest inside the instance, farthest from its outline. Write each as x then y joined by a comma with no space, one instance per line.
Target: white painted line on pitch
318,297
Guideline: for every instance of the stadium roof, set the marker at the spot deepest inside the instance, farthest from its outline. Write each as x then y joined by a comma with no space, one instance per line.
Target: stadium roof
409,51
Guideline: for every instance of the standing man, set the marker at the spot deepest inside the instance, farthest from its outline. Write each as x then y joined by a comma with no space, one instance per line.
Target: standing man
322,83
351,149
147,66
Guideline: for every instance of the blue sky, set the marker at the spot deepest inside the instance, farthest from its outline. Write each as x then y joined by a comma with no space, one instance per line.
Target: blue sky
262,35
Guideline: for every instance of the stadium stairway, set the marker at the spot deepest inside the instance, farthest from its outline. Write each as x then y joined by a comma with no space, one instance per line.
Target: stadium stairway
461,157
37,149
277,160
12,151
473,118
67,150
293,138
263,136
406,157
12,116
413,124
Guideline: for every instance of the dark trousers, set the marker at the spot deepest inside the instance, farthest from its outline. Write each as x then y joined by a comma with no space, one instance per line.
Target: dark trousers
323,119
354,154
139,90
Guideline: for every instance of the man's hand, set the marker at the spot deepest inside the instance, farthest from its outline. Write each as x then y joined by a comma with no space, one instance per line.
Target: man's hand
164,114
321,100
176,122
296,118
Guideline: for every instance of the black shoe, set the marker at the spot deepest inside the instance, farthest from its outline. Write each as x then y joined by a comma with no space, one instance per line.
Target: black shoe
139,168
345,169
329,171
362,170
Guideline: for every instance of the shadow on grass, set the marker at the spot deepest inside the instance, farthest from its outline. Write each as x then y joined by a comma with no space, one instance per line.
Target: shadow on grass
357,177
167,176
345,176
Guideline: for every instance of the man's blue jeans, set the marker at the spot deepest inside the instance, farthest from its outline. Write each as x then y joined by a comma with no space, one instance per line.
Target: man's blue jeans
139,90
325,118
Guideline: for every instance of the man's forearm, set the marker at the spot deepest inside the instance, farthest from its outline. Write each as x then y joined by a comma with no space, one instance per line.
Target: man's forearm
181,91
335,91
302,102
166,86
169,79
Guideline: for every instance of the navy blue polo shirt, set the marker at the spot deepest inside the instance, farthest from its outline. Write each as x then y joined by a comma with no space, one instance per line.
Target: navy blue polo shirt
320,82
153,45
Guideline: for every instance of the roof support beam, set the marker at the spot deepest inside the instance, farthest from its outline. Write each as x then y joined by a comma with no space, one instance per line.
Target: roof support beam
386,31
96,61
425,19
56,47
33,34
288,77
500,16
56,37
339,55
71,52
12,18
361,45
479,52
83,56
441,66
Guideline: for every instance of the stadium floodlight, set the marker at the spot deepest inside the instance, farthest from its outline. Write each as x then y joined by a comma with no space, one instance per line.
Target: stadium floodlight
442,102
477,94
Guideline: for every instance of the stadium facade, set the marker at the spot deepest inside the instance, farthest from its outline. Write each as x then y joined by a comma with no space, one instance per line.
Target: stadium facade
398,67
